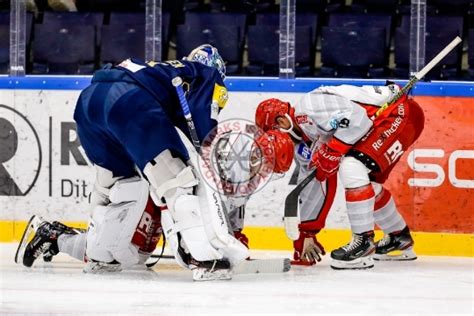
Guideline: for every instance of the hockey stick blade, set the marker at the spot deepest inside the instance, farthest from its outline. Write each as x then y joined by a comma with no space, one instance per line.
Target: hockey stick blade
291,219
277,265
253,266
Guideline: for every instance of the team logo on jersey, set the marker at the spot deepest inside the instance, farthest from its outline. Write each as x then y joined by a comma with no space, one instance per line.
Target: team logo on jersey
220,96
232,162
344,123
20,153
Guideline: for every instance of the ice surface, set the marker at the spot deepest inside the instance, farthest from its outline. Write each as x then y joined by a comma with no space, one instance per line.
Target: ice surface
429,285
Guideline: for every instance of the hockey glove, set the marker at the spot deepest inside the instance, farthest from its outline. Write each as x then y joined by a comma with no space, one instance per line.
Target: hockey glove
326,161
307,249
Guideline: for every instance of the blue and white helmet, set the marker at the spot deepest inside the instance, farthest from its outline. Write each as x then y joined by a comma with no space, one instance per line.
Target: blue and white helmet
208,55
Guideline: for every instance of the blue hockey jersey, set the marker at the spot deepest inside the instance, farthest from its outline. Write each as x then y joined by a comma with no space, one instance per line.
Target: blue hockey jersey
128,115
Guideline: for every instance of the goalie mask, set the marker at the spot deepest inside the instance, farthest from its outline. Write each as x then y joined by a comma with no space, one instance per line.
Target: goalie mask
208,55
274,148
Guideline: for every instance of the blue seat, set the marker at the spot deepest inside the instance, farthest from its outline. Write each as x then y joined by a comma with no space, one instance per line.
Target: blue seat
64,50
353,52
470,54
5,19
138,19
4,48
121,41
129,18
263,51
375,6
363,20
302,19
452,7
225,38
67,18
202,20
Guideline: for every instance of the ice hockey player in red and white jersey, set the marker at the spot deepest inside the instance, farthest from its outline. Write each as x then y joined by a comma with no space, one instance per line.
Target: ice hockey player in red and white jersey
346,135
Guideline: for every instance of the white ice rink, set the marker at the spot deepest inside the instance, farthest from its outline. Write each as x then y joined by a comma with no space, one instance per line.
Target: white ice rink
427,286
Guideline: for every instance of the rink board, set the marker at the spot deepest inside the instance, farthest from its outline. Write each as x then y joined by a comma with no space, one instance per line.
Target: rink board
48,173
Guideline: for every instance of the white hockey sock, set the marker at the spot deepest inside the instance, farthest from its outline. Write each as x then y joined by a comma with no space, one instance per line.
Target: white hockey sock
73,245
360,206
386,214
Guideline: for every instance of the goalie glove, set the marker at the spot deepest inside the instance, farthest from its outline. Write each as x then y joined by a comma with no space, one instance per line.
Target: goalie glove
307,249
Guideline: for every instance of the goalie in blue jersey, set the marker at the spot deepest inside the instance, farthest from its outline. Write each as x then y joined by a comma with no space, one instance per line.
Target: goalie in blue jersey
132,128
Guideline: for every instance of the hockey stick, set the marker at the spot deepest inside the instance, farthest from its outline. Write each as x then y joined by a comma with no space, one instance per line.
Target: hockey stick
252,266
291,219
178,85
257,266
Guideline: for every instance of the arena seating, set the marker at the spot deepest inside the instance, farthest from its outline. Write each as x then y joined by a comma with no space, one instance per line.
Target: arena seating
115,48
4,49
5,38
440,30
224,37
357,52
471,54
63,49
263,52
247,34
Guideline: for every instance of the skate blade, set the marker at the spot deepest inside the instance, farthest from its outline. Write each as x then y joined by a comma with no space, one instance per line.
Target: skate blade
359,264
203,274
27,236
397,255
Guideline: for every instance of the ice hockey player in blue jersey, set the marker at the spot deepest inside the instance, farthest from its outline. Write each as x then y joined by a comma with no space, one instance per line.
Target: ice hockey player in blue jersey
132,128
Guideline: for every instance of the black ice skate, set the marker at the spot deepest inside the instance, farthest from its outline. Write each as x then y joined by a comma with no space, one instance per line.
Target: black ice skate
211,270
48,255
397,246
355,255
38,238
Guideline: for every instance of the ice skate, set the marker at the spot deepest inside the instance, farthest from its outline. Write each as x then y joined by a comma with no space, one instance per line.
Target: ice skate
47,255
397,246
355,255
211,270
39,237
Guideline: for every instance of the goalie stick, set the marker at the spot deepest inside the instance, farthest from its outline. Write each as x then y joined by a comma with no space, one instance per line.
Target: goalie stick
252,266
247,266
291,219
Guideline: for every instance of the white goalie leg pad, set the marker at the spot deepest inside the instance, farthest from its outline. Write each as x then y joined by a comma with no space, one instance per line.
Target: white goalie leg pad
112,226
171,237
173,180
104,180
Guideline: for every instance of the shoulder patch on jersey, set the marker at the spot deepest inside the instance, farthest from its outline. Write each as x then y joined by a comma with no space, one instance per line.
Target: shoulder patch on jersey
220,95
377,90
303,119
131,66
